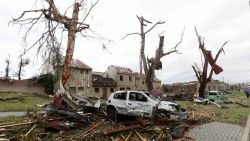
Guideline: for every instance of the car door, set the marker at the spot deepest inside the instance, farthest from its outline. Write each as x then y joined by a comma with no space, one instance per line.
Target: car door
119,101
139,105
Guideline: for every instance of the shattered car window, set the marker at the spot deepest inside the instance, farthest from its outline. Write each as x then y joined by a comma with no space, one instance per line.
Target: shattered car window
121,96
137,97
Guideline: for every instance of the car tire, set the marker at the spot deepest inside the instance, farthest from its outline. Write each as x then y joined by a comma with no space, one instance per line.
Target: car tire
163,113
112,113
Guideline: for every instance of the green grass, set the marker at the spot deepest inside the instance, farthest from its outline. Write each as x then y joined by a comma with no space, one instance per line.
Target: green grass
20,102
230,113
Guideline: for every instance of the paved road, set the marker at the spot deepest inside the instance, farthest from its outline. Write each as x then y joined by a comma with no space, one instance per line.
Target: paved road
7,114
216,131
21,113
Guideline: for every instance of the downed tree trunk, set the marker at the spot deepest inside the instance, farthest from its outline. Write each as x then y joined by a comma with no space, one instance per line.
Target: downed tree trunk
241,104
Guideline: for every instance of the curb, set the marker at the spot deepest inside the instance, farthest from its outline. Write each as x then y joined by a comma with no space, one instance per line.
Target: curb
245,135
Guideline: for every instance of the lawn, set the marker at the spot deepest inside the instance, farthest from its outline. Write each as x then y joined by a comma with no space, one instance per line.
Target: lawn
230,113
20,101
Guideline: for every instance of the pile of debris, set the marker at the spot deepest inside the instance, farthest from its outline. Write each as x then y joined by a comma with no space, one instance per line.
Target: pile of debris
71,117
63,125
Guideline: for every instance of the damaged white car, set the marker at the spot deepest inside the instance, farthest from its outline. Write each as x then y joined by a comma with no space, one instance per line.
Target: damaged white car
137,103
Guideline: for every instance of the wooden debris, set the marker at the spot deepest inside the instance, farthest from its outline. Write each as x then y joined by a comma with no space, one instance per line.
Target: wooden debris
18,124
141,138
107,132
30,130
127,138
4,139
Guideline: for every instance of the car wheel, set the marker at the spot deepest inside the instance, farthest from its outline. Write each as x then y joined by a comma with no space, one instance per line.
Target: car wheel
163,114
112,113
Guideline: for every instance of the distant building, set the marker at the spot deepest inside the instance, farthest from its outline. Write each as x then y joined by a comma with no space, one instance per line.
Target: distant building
192,87
126,79
102,86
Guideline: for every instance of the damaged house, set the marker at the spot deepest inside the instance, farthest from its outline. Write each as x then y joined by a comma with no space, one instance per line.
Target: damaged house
102,86
126,79
85,82
80,80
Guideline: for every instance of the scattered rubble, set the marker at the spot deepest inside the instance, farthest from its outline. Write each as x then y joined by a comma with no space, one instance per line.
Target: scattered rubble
91,123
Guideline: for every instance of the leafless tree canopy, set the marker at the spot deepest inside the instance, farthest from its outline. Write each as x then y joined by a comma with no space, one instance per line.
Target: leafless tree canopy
56,23
52,24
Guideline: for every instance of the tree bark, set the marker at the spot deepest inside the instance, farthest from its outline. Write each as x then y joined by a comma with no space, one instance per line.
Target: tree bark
20,69
71,45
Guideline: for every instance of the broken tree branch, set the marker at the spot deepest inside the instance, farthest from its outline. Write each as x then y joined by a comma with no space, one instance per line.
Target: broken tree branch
130,34
159,22
197,74
174,49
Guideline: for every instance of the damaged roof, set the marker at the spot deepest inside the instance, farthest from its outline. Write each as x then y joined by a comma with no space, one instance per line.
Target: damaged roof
103,82
79,64
76,63
122,69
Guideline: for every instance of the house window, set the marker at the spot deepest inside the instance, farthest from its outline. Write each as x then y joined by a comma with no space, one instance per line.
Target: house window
72,89
121,78
130,78
111,90
81,71
97,90
142,82
128,88
122,88
81,88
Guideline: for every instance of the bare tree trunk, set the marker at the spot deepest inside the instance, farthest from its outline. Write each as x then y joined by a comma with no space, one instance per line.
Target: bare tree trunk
150,78
70,46
20,69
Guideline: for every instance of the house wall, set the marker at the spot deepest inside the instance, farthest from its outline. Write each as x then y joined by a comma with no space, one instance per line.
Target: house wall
140,85
21,86
156,84
216,86
100,92
125,83
80,82
111,73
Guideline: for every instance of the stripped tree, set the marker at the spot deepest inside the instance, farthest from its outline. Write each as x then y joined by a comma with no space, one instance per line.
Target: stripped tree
202,75
7,69
56,22
22,63
150,65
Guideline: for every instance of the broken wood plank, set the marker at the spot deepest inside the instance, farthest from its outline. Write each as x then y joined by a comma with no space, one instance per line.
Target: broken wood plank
4,139
127,139
121,129
30,130
18,124
141,138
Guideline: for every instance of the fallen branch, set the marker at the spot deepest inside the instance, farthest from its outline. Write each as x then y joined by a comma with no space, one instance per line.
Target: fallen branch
241,104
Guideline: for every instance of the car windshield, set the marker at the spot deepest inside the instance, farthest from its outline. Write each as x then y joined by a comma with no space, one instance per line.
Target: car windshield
212,93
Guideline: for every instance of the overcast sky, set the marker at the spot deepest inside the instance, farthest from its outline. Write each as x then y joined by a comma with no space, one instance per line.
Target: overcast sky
216,20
